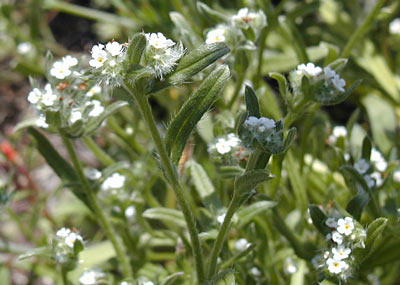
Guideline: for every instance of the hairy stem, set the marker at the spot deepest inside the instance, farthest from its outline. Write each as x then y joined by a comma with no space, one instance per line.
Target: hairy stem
100,154
102,218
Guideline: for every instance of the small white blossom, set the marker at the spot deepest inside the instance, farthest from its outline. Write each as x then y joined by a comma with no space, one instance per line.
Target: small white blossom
223,146
75,115
345,226
361,166
244,19
159,41
93,174
88,278
318,261
97,108
339,83
341,252
99,56
242,244
63,232
289,266
233,140
221,218
48,97
255,271
115,181
396,176
130,212
114,48
336,266
329,73
71,239
216,35
310,69
96,89
69,61
370,182
377,177
60,70
260,123
339,131
41,122
331,222
337,237
34,96
24,48
394,27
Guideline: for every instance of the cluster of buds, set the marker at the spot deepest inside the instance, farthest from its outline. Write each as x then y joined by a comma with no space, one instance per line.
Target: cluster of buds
227,149
162,54
338,133
344,237
66,246
262,133
372,178
245,25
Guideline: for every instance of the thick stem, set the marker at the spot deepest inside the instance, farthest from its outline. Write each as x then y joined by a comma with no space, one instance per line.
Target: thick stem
64,276
102,218
361,30
172,177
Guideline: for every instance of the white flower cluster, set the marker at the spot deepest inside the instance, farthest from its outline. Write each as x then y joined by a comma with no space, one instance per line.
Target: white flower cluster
378,160
337,132
316,73
107,61
242,244
231,32
91,277
63,245
372,179
345,236
162,54
394,27
289,266
62,68
259,124
115,181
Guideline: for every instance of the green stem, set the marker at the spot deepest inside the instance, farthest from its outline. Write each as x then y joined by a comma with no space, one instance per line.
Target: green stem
102,218
238,87
172,177
113,124
64,276
89,13
361,30
100,154
233,206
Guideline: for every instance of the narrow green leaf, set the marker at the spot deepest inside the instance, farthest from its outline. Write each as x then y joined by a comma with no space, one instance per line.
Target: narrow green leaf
172,279
211,14
94,123
200,180
226,277
194,108
374,235
246,214
241,62
196,60
251,102
167,215
283,86
290,138
353,119
299,188
40,251
228,172
251,179
136,48
318,218
366,148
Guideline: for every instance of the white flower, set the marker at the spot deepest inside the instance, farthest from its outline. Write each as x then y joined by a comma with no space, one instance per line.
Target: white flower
24,48
329,73
159,41
97,108
370,182
377,177
242,244
331,222
345,226
362,166
396,176
130,212
114,48
318,261
115,181
48,98
255,271
69,61
93,174
71,239
63,232
41,122
244,18
221,218
337,237
310,69
394,26
339,83
233,140
339,131
336,266
96,89
88,278
252,121
341,252
378,159
261,124
223,146
289,266
216,35
75,115
99,56
34,96
60,70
